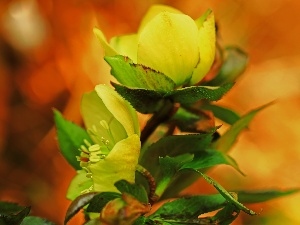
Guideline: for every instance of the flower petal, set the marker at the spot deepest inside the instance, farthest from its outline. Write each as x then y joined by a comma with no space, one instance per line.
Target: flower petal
154,11
109,51
207,46
120,164
126,45
93,111
168,43
119,108
78,184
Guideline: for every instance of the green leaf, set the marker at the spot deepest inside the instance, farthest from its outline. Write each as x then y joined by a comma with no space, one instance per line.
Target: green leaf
142,220
99,201
234,65
12,214
32,220
70,138
192,94
188,208
225,142
173,146
78,204
138,76
263,195
209,158
226,215
143,100
224,114
168,167
228,196
136,190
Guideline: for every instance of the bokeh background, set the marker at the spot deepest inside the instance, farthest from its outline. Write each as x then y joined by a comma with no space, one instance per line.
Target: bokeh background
49,57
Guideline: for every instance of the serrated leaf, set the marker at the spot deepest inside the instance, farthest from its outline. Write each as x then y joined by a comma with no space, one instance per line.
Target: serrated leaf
100,200
193,94
138,76
143,100
168,167
224,114
225,142
229,197
234,65
12,214
70,138
136,190
209,158
189,121
263,195
32,220
78,204
188,207
173,146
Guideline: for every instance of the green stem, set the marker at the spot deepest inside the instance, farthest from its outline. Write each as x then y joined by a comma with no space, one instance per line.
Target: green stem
158,118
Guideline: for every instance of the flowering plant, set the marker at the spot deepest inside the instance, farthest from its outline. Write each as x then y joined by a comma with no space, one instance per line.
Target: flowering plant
123,170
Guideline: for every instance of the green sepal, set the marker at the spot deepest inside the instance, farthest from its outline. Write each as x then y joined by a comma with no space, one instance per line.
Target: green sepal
11,213
100,200
223,113
189,95
228,196
187,208
263,195
136,190
138,76
233,66
70,138
209,158
32,220
225,142
143,100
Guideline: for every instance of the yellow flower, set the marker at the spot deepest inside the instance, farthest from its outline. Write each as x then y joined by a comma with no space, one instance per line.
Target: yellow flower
170,42
113,126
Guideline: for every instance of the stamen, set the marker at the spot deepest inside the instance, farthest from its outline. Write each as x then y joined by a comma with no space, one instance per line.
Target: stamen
94,148
104,124
87,142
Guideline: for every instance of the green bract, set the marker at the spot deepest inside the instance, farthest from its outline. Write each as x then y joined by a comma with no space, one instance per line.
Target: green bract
169,42
113,126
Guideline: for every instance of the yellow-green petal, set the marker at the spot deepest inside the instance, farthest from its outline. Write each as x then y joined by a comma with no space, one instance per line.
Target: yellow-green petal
120,164
79,184
120,109
126,45
155,10
169,44
93,112
207,46
109,51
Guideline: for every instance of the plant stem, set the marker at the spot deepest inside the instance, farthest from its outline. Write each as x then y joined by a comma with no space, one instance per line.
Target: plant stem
151,182
166,111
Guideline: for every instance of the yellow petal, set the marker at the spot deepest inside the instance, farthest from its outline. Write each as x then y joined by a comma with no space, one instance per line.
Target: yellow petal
120,164
155,10
169,44
109,51
79,184
126,45
93,112
207,46
119,108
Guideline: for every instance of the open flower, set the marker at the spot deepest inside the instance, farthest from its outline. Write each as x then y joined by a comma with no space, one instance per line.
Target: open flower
170,42
113,126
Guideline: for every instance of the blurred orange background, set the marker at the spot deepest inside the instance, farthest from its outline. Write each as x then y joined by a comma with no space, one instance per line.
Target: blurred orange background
49,57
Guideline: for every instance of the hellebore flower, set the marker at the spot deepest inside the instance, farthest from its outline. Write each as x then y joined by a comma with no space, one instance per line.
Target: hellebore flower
170,42
113,126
